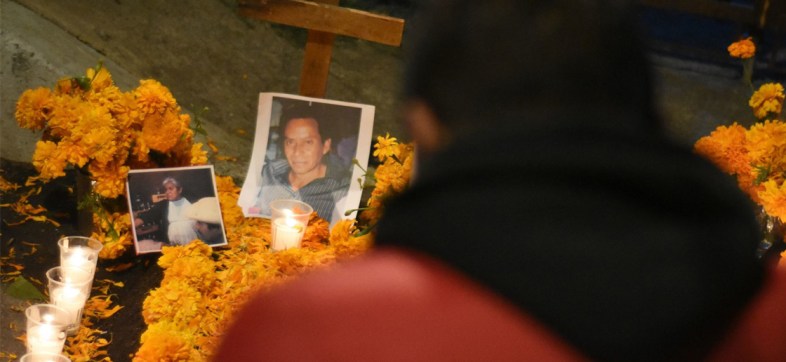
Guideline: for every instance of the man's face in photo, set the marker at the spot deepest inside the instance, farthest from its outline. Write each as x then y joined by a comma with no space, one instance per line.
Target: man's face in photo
303,145
172,192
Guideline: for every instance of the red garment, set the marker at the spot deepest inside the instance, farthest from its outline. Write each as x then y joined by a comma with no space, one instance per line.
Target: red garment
760,334
387,306
395,306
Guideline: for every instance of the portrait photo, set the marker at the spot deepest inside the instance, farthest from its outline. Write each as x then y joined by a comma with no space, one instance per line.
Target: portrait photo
174,206
306,149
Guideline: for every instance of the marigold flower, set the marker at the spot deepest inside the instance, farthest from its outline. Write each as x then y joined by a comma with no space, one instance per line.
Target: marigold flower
34,108
153,97
742,49
48,160
166,342
198,155
109,179
65,115
161,131
386,147
100,79
726,148
767,100
766,143
773,199
176,301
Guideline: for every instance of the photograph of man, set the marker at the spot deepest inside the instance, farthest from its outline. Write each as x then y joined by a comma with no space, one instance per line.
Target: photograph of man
206,214
312,169
171,206
168,212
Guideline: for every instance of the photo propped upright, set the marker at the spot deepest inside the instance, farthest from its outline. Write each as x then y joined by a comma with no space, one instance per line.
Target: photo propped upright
305,149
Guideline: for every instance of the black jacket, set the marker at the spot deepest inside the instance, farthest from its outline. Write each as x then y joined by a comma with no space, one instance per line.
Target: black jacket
626,245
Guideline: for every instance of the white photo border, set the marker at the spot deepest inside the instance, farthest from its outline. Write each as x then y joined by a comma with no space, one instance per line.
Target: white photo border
252,184
170,170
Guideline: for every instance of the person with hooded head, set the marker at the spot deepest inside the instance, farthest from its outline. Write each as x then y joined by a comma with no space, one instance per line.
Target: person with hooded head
551,218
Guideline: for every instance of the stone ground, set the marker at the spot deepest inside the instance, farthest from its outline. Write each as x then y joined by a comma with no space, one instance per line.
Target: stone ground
209,56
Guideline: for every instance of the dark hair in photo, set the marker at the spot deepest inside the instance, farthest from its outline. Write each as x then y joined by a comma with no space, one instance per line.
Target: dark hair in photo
333,121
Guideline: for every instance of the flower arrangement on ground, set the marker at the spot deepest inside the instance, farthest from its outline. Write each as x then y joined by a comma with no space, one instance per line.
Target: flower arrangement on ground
90,124
755,155
202,289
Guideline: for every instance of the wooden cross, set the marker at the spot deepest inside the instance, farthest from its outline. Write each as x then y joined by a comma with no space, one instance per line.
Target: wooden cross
323,19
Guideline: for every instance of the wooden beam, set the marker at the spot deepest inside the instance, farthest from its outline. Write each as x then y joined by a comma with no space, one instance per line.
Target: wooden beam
327,18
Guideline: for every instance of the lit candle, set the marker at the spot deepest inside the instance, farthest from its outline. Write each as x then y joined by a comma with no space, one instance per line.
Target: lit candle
287,233
45,328
72,300
44,357
79,252
289,220
45,338
79,258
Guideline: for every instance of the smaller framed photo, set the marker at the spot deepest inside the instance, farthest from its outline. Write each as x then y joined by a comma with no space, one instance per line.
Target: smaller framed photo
174,206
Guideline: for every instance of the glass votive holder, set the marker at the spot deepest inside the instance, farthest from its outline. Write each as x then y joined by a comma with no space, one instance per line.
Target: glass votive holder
69,288
79,251
46,328
44,357
289,219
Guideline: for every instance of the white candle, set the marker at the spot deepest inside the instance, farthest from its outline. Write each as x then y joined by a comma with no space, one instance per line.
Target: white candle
45,338
78,257
72,300
287,233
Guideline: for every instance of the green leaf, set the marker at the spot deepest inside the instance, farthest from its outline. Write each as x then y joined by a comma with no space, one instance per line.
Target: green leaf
23,289
84,82
761,175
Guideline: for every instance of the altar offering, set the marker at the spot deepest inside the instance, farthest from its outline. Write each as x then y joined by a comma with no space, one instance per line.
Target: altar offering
80,252
46,328
44,357
69,288
288,223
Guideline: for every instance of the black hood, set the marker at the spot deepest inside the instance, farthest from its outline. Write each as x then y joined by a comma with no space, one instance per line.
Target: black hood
626,245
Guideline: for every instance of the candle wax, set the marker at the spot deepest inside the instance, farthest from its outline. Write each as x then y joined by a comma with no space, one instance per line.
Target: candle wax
77,257
72,300
45,338
287,234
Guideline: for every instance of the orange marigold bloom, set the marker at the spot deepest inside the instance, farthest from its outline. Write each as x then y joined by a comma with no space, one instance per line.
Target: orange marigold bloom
34,108
109,180
99,79
742,49
773,199
317,232
153,97
161,131
48,160
726,148
65,115
198,155
166,341
767,100
766,143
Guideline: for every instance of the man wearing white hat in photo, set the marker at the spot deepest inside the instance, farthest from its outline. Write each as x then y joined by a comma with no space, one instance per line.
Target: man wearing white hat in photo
207,214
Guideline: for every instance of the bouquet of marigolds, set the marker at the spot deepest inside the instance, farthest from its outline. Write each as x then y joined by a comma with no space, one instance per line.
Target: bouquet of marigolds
90,124
755,155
